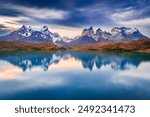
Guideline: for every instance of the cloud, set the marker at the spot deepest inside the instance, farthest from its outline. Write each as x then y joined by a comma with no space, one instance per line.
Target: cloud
8,72
130,76
2,27
41,13
130,13
133,17
142,24
76,13
11,23
122,15
136,22
66,30
142,72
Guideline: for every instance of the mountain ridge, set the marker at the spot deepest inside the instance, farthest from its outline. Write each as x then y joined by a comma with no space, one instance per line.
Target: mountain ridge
88,36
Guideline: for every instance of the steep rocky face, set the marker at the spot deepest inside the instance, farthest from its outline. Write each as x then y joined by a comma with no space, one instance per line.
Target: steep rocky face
44,29
88,32
124,33
99,32
97,36
102,35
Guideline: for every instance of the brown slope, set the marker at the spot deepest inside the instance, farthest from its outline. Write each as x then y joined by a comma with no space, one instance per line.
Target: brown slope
136,46
27,46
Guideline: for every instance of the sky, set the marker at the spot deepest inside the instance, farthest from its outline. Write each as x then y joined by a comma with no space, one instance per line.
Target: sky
70,17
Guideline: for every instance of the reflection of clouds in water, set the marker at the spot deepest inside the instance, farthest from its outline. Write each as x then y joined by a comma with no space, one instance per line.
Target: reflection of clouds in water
64,65
141,72
132,76
8,71
4,63
12,77
69,69
39,80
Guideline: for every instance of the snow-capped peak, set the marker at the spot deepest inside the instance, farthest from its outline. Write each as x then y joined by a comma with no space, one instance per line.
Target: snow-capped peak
55,37
99,31
124,29
116,30
44,29
130,30
91,28
25,31
25,28
88,32
126,33
66,39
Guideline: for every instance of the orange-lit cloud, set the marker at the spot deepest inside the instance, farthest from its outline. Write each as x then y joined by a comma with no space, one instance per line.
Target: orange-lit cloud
9,72
67,65
11,23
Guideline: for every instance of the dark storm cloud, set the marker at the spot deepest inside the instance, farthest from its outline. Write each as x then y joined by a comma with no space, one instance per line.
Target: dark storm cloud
3,30
57,4
68,4
75,18
73,5
76,13
9,12
2,27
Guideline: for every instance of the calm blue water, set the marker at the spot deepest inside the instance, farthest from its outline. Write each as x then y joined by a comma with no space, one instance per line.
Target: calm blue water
74,75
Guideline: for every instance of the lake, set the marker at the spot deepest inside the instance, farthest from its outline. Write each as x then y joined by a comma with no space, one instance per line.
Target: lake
74,75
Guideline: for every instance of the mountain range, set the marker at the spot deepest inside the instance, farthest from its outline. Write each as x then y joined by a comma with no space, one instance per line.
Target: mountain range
88,36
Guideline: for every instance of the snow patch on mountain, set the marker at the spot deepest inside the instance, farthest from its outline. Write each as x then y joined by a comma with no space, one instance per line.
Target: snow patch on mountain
25,31
125,33
67,40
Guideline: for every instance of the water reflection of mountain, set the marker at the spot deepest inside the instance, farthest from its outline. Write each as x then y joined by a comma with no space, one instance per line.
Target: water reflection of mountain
28,61
44,60
115,60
